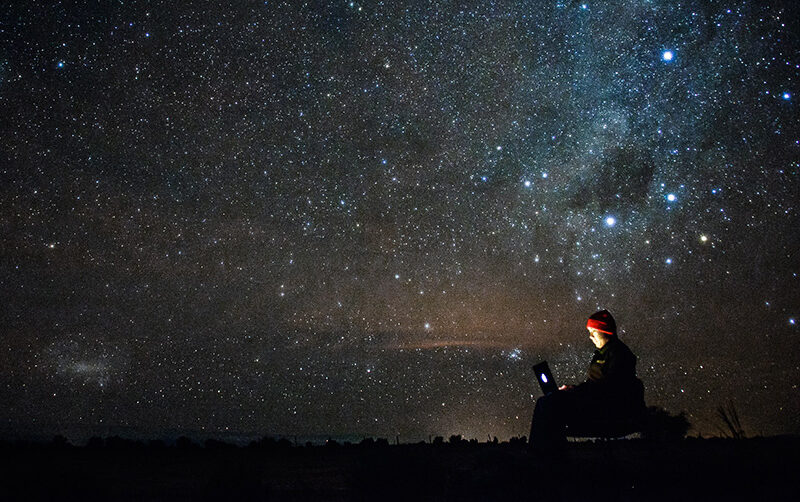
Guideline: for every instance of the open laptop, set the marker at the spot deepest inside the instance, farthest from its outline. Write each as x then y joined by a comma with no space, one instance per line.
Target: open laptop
545,377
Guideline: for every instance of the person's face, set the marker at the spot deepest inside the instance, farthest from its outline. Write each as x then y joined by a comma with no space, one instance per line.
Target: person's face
597,338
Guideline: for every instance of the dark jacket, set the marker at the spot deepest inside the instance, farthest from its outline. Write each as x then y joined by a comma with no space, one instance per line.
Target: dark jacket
612,377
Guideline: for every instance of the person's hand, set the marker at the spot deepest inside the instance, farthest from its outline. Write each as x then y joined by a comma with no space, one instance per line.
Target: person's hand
566,387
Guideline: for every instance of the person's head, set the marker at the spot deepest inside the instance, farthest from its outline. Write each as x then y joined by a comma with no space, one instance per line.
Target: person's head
601,327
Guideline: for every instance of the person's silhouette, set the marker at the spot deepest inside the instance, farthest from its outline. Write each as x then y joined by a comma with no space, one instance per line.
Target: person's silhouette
611,393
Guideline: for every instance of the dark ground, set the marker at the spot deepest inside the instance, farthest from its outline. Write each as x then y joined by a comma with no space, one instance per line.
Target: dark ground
713,469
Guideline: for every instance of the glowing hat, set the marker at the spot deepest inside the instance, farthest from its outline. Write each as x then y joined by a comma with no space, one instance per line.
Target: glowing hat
602,321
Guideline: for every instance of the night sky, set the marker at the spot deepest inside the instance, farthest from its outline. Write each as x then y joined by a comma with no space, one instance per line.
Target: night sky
372,218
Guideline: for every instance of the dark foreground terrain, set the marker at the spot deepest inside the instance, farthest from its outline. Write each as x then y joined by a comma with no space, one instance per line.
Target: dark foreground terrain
752,469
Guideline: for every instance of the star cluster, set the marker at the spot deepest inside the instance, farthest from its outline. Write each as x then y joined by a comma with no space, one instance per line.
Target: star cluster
374,217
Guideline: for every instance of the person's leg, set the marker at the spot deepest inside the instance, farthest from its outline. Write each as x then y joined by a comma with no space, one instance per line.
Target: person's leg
547,424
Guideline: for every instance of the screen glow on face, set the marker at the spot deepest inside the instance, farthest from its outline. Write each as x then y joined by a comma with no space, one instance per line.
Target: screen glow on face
544,378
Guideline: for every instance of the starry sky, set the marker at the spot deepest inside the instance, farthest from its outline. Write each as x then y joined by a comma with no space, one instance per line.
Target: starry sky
373,217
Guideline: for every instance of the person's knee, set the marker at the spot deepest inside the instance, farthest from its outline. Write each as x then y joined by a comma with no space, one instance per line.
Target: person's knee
543,403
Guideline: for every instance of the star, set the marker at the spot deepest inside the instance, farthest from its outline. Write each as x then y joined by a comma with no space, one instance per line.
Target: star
667,55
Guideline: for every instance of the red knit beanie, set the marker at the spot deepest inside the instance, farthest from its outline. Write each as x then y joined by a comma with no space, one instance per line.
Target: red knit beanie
603,322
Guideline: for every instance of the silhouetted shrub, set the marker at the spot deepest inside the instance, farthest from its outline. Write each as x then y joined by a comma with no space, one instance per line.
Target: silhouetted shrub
518,441
118,443
214,444
731,426
455,439
660,425
438,441
331,443
60,442
382,442
367,442
184,443
95,443
156,444
264,443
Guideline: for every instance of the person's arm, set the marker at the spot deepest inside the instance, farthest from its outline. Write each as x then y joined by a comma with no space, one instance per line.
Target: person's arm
620,365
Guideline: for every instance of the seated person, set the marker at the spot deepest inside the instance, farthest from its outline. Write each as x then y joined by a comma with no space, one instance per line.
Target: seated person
610,395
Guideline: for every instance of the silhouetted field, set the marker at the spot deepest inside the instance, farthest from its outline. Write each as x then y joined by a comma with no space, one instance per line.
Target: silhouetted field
115,469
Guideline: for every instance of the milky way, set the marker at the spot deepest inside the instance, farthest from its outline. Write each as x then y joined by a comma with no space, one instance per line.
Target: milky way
374,217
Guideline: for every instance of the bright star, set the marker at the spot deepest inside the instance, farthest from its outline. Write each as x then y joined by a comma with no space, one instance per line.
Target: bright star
703,238
427,325
527,184
672,197
668,261
786,96
611,221
667,55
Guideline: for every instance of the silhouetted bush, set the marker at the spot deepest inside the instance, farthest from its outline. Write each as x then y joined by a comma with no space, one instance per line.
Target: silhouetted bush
184,443
214,444
660,425
731,426
331,443
60,442
518,441
270,443
455,439
119,443
438,441
367,442
156,444
95,443
382,442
